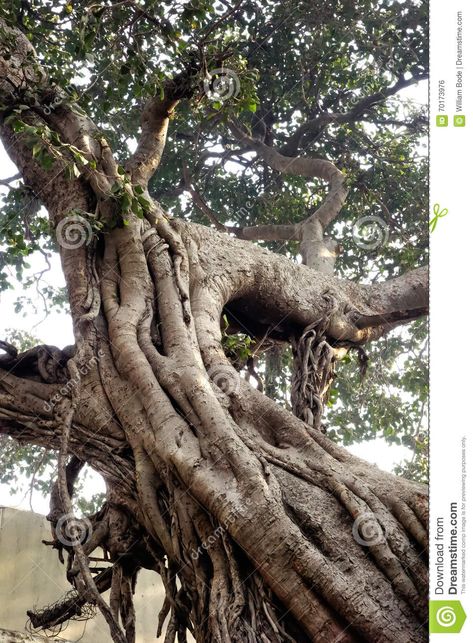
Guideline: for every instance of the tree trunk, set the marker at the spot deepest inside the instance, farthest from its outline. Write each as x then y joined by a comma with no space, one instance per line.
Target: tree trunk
262,529
270,528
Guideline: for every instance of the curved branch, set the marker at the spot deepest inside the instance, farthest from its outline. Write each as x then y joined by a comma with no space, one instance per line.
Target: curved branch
310,168
317,251
277,294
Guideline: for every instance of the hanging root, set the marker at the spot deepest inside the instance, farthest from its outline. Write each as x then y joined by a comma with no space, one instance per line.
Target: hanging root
313,370
54,617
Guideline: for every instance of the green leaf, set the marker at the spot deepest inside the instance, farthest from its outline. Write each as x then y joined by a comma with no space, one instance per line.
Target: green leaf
136,208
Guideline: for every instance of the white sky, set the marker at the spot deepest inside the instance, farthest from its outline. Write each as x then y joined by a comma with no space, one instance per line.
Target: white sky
56,329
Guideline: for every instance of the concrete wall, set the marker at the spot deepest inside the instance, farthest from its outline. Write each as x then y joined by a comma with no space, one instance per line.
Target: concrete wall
32,576
9,636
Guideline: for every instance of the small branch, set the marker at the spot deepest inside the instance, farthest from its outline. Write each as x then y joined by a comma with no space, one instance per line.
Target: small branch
271,232
6,182
316,125
94,595
199,201
418,121
219,21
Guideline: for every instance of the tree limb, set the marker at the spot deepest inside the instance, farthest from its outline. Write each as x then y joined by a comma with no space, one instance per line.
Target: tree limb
317,252
280,295
154,126
302,166
315,126
6,182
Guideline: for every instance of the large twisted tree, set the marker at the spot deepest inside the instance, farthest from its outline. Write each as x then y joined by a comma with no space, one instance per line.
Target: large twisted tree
123,119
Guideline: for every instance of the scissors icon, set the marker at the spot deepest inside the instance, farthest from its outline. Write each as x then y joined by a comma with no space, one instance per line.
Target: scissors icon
438,214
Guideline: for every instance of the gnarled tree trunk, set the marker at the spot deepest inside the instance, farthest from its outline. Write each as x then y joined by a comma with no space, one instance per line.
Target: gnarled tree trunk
261,528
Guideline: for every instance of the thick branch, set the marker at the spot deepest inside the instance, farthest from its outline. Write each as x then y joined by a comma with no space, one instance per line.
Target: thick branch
273,291
317,251
310,168
154,126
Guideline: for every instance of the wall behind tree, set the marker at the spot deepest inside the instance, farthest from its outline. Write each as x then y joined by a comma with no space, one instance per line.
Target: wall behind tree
32,576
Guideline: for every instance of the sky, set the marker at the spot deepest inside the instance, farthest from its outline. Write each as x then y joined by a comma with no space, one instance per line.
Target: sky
56,329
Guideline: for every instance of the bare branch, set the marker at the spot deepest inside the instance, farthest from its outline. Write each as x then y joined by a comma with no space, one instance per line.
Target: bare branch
199,201
214,25
6,182
318,252
358,112
307,167
271,232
